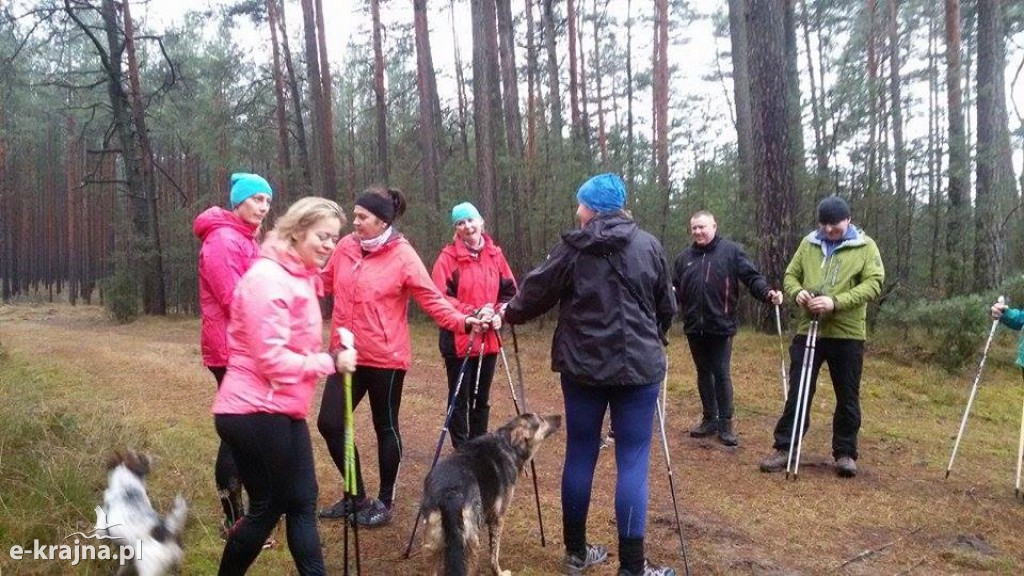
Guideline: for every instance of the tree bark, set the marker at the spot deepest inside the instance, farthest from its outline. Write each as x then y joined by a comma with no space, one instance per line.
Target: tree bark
485,85
741,91
380,97
958,213
429,106
330,176
284,159
319,123
903,220
301,141
661,83
554,92
996,186
774,185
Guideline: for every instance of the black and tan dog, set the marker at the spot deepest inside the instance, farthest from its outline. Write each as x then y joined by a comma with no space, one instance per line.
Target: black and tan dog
473,487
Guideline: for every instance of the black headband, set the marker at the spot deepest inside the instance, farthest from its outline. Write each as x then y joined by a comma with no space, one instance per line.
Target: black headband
379,206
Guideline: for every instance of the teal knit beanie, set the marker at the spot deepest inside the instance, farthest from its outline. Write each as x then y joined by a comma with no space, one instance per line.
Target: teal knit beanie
244,185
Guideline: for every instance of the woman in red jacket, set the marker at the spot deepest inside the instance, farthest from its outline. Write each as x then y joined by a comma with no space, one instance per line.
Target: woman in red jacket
229,248
372,274
473,273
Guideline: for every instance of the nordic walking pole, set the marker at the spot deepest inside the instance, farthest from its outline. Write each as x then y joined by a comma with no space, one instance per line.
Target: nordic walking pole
660,407
533,467
782,354
444,432
1020,447
479,365
802,400
348,342
519,366
974,390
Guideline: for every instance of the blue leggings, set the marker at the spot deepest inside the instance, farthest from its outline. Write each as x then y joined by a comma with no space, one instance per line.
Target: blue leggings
632,414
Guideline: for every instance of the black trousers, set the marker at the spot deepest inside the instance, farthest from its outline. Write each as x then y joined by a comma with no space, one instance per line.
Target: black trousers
712,355
845,360
225,473
275,461
384,386
473,406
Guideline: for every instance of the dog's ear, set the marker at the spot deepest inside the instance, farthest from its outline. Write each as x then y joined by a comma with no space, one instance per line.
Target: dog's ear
114,460
554,420
137,463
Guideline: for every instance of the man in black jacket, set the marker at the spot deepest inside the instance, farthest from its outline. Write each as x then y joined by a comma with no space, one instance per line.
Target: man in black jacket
706,277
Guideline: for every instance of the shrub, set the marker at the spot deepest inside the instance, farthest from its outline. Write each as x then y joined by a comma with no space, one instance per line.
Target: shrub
121,296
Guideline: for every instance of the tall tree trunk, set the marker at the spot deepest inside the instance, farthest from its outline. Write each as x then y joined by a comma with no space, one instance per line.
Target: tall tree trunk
513,132
485,84
554,91
460,89
774,185
996,187
602,137
301,141
793,104
380,97
154,294
874,121
958,213
817,114
316,95
630,143
330,177
903,222
574,90
741,91
284,159
660,88
429,106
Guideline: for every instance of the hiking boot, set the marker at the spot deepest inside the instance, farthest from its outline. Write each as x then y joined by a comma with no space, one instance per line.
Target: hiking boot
374,514
775,462
707,427
846,467
595,554
649,570
725,433
342,508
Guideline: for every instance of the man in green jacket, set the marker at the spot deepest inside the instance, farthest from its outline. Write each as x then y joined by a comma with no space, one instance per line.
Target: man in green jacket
835,272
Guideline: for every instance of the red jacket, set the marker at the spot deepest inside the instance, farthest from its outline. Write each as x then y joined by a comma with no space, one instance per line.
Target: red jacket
470,281
371,298
229,249
276,337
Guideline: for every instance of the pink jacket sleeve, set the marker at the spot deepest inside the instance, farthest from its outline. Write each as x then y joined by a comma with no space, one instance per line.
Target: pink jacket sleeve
267,324
441,274
224,262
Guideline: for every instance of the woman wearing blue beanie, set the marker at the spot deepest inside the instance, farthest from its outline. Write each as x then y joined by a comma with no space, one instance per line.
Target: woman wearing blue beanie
229,248
610,280
473,273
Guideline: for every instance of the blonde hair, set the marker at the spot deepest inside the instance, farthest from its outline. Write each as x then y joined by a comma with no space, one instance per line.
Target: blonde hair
304,214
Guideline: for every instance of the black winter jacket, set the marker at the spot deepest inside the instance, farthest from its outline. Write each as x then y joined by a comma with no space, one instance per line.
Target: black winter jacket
608,333
706,280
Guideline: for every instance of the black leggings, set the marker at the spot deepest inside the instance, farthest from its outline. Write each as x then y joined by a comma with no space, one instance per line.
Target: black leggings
473,409
225,472
384,386
275,462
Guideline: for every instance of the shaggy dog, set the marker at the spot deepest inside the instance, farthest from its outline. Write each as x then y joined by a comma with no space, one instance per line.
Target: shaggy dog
128,516
473,487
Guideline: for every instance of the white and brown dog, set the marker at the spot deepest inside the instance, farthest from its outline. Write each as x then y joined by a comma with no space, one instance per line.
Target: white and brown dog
128,516
473,487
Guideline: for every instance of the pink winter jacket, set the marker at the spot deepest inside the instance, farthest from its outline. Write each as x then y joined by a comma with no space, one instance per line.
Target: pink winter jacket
275,338
371,298
229,249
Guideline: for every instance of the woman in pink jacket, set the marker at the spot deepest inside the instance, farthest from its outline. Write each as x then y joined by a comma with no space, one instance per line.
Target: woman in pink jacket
372,274
275,361
229,248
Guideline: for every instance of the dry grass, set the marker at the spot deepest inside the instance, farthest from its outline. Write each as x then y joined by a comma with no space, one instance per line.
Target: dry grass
74,386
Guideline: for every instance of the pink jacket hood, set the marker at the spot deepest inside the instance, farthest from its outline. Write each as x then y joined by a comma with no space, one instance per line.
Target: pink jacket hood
228,249
275,337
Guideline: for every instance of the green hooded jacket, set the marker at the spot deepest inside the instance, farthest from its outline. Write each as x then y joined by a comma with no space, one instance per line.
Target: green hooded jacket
852,276
1014,318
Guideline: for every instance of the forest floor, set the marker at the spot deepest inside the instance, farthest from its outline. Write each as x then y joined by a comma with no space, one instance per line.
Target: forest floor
74,386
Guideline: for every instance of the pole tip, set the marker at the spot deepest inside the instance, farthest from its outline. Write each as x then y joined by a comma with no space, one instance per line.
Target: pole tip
947,474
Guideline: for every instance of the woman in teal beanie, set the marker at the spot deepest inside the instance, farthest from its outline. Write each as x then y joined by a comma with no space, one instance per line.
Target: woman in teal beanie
1011,318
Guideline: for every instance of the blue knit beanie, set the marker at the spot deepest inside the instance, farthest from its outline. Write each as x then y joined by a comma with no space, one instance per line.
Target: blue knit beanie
465,211
603,193
244,185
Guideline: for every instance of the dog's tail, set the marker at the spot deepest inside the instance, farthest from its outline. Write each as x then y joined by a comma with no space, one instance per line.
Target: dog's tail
174,522
451,506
